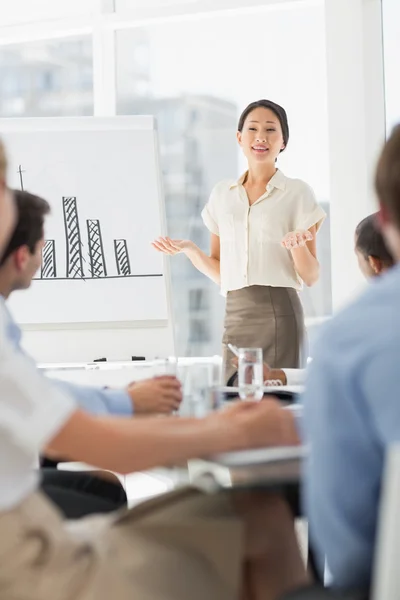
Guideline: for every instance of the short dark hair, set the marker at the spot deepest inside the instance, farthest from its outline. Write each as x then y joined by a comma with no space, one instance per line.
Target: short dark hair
275,108
387,179
31,211
370,241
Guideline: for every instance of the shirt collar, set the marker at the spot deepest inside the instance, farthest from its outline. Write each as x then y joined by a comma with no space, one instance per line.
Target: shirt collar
277,181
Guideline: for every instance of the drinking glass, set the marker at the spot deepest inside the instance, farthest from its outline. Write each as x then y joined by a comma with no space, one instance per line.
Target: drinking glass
251,384
201,394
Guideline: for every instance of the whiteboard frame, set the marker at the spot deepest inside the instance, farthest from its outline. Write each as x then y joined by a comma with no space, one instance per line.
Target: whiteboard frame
114,123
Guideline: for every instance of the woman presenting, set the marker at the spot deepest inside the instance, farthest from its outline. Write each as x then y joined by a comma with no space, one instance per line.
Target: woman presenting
263,244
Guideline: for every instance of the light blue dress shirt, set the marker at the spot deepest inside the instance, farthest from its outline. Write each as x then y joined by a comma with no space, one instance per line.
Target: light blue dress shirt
351,417
95,400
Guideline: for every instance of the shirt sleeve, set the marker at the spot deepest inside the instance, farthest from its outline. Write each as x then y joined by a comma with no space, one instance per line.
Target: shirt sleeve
295,376
98,401
31,409
341,477
209,215
380,389
310,212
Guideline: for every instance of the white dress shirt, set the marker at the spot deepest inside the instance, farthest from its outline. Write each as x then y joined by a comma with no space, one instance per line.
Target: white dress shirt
295,376
31,413
250,236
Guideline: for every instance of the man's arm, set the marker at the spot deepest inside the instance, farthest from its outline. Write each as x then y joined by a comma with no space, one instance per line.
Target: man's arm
137,444
159,395
98,401
343,474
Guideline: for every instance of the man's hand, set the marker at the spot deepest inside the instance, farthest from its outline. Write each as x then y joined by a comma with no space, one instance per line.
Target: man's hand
160,395
260,424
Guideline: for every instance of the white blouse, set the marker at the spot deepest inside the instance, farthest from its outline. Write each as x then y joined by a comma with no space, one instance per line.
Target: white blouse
250,236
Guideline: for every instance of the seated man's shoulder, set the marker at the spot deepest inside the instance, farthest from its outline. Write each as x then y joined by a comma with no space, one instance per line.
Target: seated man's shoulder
372,319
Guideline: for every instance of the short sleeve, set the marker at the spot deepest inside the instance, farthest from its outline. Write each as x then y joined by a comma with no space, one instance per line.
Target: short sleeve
310,212
31,409
209,215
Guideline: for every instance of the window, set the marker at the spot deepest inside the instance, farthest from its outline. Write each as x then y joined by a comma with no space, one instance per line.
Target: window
391,36
39,11
48,78
199,331
198,300
199,76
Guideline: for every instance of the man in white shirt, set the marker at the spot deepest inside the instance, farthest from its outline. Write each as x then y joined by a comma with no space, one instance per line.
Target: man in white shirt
76,493
180,545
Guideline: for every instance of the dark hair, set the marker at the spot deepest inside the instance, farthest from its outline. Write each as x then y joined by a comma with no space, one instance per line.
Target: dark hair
275,108
31,211
370,241
387,179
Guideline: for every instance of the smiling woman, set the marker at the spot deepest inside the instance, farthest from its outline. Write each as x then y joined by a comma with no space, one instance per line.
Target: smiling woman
263,243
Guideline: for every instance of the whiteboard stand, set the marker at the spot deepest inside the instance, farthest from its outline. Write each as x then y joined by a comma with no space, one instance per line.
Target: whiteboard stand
112,164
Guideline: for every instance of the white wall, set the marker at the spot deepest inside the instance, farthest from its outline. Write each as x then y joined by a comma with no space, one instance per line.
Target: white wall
356,128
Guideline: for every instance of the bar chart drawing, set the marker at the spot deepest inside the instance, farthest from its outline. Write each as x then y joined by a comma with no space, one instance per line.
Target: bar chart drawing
49,265
122,258
75,256
96,251
73,236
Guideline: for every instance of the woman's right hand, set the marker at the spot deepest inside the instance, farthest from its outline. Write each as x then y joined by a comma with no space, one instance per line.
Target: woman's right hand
268,373
168,246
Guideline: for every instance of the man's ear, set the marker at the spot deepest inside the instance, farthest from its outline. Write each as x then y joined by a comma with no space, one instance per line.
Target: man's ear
21,257
375,264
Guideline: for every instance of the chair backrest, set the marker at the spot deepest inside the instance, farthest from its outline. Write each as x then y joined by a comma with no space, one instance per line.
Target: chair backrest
386,577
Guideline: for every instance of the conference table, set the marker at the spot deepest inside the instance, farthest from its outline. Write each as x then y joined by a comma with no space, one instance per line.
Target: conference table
267,467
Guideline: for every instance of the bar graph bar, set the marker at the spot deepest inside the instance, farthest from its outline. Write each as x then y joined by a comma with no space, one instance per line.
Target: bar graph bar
73,237
96,251
82,256
122,258
49,264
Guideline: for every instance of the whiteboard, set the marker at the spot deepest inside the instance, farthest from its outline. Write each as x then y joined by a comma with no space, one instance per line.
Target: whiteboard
102,179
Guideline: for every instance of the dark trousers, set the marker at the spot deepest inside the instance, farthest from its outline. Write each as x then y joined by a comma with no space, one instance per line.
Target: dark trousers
78,494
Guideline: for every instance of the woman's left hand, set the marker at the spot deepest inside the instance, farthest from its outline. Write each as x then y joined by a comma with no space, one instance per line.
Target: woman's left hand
168,246
296,239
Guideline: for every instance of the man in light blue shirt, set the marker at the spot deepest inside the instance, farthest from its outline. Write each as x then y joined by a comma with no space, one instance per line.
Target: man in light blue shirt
18,266
352,407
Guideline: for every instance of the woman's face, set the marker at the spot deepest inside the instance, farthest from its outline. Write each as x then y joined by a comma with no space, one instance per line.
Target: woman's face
261,138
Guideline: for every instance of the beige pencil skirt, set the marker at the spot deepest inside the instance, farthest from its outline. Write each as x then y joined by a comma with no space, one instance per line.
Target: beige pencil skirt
183,545
265,317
